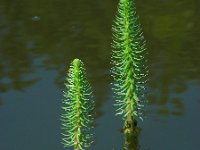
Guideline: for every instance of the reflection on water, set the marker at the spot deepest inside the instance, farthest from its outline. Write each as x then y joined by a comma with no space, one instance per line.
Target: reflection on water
132,143
61,35
174,53
38,39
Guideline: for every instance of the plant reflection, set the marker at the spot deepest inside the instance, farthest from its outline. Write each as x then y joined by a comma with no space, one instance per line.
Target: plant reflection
131,140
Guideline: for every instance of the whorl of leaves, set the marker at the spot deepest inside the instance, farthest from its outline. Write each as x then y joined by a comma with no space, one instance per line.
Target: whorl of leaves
129,61
78,106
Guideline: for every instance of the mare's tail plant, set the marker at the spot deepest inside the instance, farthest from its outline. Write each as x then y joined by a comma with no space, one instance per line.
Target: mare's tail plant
78,106
129,64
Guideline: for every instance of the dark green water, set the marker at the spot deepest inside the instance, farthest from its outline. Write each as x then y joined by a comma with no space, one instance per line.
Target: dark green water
39,38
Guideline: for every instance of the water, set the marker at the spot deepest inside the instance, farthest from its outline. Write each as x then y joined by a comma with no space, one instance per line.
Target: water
35,55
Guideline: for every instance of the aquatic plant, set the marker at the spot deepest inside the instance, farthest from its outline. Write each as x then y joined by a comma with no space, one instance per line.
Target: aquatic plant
129,63
78,106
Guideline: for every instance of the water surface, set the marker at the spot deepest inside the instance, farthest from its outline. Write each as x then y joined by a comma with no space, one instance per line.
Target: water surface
38,40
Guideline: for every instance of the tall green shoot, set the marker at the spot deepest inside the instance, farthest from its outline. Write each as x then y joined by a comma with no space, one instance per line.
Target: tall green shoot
129,64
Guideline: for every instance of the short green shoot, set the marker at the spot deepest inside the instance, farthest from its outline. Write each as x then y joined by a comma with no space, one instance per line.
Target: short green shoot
77,108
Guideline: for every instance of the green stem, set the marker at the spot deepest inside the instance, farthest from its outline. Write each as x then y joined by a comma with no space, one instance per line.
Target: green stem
78,104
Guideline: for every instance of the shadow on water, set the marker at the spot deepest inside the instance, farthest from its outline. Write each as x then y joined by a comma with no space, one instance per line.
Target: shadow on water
35,52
